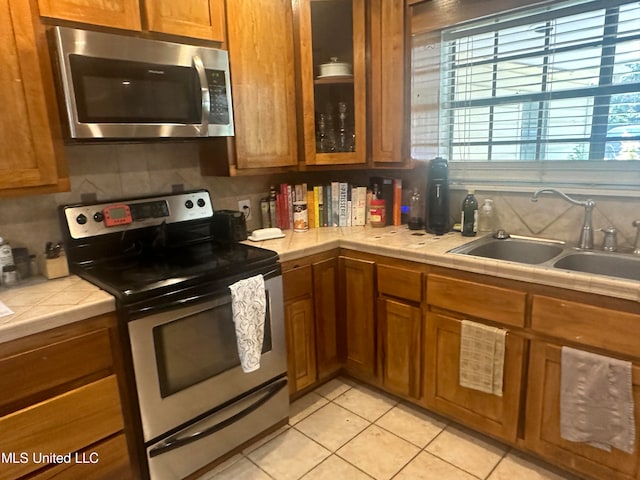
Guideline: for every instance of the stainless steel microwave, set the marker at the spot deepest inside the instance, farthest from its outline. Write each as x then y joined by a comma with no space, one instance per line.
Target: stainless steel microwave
120,87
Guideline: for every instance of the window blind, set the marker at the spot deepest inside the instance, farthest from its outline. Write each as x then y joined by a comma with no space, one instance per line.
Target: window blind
557,82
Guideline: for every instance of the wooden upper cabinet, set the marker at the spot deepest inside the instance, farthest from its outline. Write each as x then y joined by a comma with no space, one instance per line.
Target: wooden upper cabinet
108,13
387,66
261,55
188,18
333,105
202,19
28,155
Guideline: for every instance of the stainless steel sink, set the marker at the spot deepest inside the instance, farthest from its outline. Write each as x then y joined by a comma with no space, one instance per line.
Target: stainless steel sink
511,249
610,264
543,253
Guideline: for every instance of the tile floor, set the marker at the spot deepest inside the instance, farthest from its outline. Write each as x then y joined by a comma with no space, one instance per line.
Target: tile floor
344,430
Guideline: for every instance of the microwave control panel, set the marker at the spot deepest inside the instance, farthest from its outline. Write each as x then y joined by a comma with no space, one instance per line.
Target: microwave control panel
219,110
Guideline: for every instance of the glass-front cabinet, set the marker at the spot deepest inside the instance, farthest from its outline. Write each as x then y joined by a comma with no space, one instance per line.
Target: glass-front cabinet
333,84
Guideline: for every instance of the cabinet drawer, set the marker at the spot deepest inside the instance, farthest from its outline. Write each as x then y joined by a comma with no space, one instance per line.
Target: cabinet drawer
297,282
499,304
111,461
62,424
596,326
400,283
39,369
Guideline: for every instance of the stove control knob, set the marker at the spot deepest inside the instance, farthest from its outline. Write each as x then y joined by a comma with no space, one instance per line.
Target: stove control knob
81,219
201,202
188,204
98,217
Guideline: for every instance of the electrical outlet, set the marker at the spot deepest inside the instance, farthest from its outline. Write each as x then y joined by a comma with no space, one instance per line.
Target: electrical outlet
245,207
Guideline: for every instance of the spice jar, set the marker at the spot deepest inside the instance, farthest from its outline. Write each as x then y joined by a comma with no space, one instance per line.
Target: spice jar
377,213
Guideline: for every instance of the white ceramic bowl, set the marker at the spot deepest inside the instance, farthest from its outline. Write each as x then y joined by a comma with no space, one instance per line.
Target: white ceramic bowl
334,68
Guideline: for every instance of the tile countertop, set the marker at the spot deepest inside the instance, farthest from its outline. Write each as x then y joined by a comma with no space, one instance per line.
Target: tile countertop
41,304
402,243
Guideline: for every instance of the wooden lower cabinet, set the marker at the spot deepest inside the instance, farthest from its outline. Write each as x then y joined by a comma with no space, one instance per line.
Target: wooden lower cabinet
325,281
62,397
542,425
399,327
488,413
300,328
311,315
358,307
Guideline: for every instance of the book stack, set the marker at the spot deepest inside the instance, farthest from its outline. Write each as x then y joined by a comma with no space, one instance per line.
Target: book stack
335,204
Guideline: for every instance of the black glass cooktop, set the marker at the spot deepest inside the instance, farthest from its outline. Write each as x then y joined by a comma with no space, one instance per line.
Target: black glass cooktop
154,274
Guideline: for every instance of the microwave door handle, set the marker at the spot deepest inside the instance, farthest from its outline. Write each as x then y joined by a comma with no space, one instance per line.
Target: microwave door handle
178,440
204,91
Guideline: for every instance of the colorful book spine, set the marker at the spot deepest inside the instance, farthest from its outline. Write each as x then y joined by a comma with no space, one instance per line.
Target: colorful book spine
343,200
335,204
311,211
316,206
397,201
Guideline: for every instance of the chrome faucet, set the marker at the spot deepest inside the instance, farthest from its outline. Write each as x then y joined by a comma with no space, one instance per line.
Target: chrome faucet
586,235
636,223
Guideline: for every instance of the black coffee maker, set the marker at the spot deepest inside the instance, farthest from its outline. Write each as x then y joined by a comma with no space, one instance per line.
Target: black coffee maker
437,197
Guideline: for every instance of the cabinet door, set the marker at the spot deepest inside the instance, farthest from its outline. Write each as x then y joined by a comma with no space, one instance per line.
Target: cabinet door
325,280
27,154
387,80
301,355
333,104
399,331
542,427
358,300
299,327
260,40
114,13
188,18
485,412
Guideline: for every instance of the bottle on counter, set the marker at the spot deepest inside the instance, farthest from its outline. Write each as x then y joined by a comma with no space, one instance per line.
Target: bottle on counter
273,219
416,211
486,217
469,219
377,209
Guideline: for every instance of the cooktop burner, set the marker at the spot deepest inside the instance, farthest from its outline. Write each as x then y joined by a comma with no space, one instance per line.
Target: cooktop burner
203,262
157,249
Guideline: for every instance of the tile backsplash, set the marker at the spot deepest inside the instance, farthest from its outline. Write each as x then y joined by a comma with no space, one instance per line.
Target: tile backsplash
123,170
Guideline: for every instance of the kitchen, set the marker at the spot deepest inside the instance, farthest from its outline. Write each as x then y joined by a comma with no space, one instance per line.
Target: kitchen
132,170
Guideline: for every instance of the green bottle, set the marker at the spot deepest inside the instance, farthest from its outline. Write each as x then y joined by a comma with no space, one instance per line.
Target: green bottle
469,215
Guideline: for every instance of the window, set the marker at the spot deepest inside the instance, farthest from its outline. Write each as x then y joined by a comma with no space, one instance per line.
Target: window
534,91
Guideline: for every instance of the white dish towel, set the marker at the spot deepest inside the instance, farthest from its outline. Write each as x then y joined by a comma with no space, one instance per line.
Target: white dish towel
596,400
482,357
249,306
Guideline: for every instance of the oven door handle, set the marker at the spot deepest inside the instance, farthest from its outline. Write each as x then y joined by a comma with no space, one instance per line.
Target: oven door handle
200,429
149,309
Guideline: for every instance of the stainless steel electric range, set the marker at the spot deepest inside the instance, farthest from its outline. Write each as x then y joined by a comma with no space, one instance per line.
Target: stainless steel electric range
161,259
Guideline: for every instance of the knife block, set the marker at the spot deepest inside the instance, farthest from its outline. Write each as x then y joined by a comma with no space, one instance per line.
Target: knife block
54,267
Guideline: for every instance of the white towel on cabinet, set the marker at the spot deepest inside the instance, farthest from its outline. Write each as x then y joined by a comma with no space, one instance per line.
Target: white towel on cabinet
482,351
249,306
596,400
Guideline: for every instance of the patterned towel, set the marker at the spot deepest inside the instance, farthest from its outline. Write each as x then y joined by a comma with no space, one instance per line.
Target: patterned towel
596,401
482,357
249,305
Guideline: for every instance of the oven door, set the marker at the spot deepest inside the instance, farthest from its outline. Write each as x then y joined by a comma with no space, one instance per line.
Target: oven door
186,362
